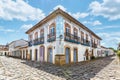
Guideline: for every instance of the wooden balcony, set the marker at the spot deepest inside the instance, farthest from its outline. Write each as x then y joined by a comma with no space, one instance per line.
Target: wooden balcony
85,42
51,37
37,41
71,38
94,45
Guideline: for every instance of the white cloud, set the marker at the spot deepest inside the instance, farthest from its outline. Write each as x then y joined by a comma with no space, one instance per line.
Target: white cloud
60,6
106,27
19,9
110,39
108,8
93,23
76,15
26,27
79,15
6,30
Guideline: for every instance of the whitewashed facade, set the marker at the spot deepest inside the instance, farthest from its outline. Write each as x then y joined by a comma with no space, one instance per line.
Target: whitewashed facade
15,48
106,52
59,33
3,50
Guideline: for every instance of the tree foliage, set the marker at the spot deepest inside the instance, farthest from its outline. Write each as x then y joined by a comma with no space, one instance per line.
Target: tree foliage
118,53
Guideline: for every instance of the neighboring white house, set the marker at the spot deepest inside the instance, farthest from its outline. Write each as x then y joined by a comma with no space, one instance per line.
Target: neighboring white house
61,34
3,50
15,48
106,51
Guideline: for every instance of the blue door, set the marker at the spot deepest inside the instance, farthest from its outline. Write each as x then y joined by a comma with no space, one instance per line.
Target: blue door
41,53
50,55
75,55
67,53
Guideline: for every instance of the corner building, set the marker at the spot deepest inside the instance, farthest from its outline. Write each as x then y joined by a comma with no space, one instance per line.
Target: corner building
61,34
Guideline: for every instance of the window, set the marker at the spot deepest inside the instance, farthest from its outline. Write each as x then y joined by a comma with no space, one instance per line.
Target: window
42,33
67,28
36,35
86,37
75,31
67,31
82,37
52,30
30,37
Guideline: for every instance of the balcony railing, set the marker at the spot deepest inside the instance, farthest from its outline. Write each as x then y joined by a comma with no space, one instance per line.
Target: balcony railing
85,42
51,37
30,43
94,45
71,38
37,41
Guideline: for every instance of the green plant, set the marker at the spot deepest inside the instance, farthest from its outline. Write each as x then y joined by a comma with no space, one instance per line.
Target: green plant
118,54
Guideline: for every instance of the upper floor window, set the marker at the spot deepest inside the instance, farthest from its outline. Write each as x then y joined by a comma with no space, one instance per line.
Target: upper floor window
52,29
82,36
67,28
75,32
86,37
94,41
36,35
30,37
42,33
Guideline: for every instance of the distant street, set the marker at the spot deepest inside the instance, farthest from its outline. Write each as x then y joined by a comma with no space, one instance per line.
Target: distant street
17,69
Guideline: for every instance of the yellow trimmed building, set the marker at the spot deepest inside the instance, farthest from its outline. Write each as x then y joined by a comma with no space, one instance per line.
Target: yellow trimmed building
59,38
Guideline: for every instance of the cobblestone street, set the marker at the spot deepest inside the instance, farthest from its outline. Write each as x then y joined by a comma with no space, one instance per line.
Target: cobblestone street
100,69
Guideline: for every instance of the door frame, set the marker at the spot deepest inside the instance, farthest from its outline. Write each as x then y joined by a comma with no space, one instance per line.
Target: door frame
43,53
69,55
76,55
49,54
86,54
35,55
30,54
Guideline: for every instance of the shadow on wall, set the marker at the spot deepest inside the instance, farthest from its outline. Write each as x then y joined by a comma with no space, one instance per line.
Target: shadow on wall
80,71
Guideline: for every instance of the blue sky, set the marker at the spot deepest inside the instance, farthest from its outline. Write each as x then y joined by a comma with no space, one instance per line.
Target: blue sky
101,16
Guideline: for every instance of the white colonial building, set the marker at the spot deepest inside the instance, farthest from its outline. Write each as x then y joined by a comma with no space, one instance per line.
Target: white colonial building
106,52
61,34
18,48
3,50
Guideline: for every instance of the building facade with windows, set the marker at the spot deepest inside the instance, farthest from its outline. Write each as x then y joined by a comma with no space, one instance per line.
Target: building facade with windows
3,50
61,34
18,48
106,52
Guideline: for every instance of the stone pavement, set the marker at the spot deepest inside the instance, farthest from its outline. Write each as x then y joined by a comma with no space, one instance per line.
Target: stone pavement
110,72
100,69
